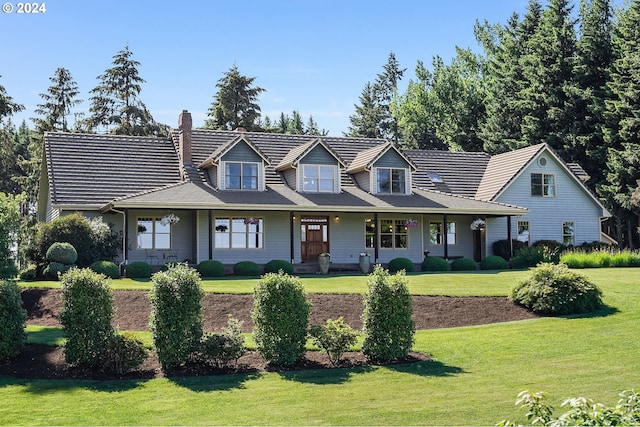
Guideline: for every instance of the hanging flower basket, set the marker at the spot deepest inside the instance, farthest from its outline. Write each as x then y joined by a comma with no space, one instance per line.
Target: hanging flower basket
169,219
411,222
251,220
477,224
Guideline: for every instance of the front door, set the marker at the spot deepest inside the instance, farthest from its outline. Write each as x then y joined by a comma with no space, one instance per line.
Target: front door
477,245
314,236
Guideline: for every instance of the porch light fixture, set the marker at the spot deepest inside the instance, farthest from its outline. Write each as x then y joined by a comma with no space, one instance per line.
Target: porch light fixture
169,219
337,218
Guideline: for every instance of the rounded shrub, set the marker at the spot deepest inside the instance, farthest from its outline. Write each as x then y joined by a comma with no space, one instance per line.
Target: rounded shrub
107,268
124,353
501,247
464,264
398,264
435,264
387,324
280,316
13,320
494,262
275,265
138,270
221,349
335,337
211,268
29,273
86,316
246,268
55,269
176,314
556,290
8,269
62,252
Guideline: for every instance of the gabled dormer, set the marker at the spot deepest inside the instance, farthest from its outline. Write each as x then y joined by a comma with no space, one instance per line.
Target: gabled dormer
236,165
383,170
312,168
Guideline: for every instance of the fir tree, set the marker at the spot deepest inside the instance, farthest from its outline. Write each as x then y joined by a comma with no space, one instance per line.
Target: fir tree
59,100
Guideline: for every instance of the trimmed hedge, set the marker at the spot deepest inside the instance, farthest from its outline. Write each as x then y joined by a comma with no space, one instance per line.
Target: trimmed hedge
211,268
398,264
62,252
501,248
275,265
464,264
107,268
137,270
13,320
435,264
494,262
246,268
55,269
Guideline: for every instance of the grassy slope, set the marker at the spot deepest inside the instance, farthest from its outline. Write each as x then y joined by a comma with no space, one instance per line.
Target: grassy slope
474,379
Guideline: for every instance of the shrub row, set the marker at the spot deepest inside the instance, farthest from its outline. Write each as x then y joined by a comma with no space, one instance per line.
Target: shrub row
13,320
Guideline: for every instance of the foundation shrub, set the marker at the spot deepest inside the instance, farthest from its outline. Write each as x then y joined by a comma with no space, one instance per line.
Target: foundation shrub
124,353
494,262
211,268
246,268
107,268
176,314
528,257
398,264
501,248
387,324
335,338
280,316
556,290
86,316
464,264
435,264
221,349
13,320
138,270
275,265
54,270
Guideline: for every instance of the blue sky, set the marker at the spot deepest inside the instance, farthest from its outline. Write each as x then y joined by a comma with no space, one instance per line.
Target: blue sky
312,56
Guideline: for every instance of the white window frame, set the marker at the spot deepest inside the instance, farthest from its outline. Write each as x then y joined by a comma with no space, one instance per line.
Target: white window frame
397,231
318,178
523,224
157,229
404,182
239,229
547,189
572,235
224,174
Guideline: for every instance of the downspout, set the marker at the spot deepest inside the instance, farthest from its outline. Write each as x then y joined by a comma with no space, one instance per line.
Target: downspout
125,233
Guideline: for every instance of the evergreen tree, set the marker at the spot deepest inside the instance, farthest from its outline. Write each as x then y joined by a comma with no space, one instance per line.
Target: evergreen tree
295,125
235,103
7,106
364,122
59,100
115,104
10,152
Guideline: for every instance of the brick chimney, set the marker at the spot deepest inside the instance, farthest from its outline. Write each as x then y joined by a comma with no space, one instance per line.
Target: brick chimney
185,125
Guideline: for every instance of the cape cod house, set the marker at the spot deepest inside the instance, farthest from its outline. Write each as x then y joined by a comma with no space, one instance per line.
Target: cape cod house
236,195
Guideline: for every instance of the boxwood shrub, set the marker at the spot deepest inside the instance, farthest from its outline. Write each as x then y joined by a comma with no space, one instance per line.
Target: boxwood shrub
435,264
556,290
275,265
464,264
138,270
211,268
494,262
55,269
246,268
107,268
398,264
62,252
13,320
501,248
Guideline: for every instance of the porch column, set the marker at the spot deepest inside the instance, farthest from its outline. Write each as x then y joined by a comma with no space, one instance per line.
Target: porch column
291,229
445,237
125,247
375,237
209,228
509,237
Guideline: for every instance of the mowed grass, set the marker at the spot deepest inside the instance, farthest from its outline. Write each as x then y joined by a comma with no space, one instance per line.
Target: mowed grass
472,380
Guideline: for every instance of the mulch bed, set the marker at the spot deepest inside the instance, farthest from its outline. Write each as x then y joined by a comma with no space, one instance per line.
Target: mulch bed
133,308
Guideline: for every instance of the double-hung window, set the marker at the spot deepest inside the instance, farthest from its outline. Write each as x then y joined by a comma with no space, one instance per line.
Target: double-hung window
568,233
318,178
239,233
241,176
391,181
543,184
523,232
436,235
393,234
152,234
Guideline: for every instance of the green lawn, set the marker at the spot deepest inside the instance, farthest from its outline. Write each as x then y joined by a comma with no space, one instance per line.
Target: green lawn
473,380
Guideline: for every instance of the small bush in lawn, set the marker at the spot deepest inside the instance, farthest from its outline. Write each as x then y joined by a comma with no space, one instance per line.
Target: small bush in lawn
13,320
280,316
554,289
124,353
501,248
464,264
494,262
387,324
211,268
29,273
246,268
64,253
54,270
334,337
107,268
275,265
398,264
176,314
435,264
86,316
223,348
138,270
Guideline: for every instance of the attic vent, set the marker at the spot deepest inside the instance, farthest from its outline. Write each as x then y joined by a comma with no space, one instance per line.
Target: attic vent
435,178
542,162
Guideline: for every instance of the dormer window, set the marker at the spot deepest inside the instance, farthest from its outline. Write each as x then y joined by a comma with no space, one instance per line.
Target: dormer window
241,176
391,181
319,178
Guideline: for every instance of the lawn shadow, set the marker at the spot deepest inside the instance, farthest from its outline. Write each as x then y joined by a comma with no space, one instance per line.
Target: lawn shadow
324,375
208,383
426,368
603,312
45,386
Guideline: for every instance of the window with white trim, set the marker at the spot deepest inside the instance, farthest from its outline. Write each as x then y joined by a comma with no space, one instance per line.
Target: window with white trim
318,178
239,233
568,233
369,233
152,234
523,232
241,176
394,234
435,233
391,181
543,184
